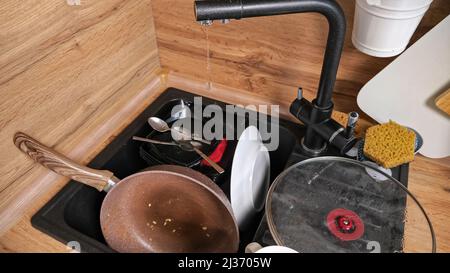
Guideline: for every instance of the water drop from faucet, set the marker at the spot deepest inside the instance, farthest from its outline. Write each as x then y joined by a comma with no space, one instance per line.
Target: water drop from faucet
206,23
208,57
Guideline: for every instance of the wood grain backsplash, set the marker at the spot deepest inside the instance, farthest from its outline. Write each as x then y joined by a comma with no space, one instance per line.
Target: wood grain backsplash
270,56
65,71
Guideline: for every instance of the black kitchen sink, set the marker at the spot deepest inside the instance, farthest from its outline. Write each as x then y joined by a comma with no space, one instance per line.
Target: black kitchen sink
72,215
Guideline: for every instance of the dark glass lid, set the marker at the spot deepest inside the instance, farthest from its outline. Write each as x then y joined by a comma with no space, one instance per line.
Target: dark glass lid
333,204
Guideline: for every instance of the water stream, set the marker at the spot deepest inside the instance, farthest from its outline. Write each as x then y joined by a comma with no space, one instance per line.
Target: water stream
208,58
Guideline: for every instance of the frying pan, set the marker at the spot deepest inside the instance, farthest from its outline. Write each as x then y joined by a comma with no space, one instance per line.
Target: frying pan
162,209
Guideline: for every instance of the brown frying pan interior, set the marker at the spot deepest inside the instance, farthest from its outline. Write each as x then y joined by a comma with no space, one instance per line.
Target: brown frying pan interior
167,209
164,211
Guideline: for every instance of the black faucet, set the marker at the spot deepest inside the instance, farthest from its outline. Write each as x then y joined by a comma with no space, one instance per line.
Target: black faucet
321,129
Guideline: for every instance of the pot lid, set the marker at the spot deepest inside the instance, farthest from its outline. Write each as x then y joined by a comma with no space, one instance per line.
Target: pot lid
333,204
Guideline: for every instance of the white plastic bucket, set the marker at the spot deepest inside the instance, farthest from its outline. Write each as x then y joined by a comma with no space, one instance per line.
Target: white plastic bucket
383,28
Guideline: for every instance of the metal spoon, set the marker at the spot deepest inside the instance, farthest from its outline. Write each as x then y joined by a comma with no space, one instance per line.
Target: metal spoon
162,127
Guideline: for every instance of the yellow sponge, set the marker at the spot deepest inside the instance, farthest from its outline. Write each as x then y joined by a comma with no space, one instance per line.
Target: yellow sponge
389,145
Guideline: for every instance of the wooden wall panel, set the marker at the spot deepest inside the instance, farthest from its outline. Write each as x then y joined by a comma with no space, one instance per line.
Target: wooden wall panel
268,56
65,72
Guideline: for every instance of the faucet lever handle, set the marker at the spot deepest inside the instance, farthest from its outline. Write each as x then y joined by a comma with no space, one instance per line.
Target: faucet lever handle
300,93
353,118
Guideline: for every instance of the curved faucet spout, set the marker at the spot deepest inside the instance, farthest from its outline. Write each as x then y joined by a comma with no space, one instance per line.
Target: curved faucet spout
237,9
316,116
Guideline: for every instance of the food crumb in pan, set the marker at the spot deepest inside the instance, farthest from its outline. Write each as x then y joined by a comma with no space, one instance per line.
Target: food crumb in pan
149,205
168,220
205,228
154,222
174,230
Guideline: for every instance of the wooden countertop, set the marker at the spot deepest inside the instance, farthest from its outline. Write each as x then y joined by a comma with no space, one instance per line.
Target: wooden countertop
68,72
429,179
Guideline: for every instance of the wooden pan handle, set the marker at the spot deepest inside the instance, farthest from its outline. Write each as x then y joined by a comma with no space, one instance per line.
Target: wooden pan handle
62,165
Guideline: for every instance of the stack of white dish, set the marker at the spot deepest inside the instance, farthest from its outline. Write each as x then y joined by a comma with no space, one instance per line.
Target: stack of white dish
250,177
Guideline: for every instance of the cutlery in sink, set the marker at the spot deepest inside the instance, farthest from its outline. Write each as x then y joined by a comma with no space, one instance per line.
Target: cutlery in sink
162,127
186,146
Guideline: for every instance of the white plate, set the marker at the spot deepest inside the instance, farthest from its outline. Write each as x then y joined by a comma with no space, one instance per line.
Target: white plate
250,177
257,248
276,249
